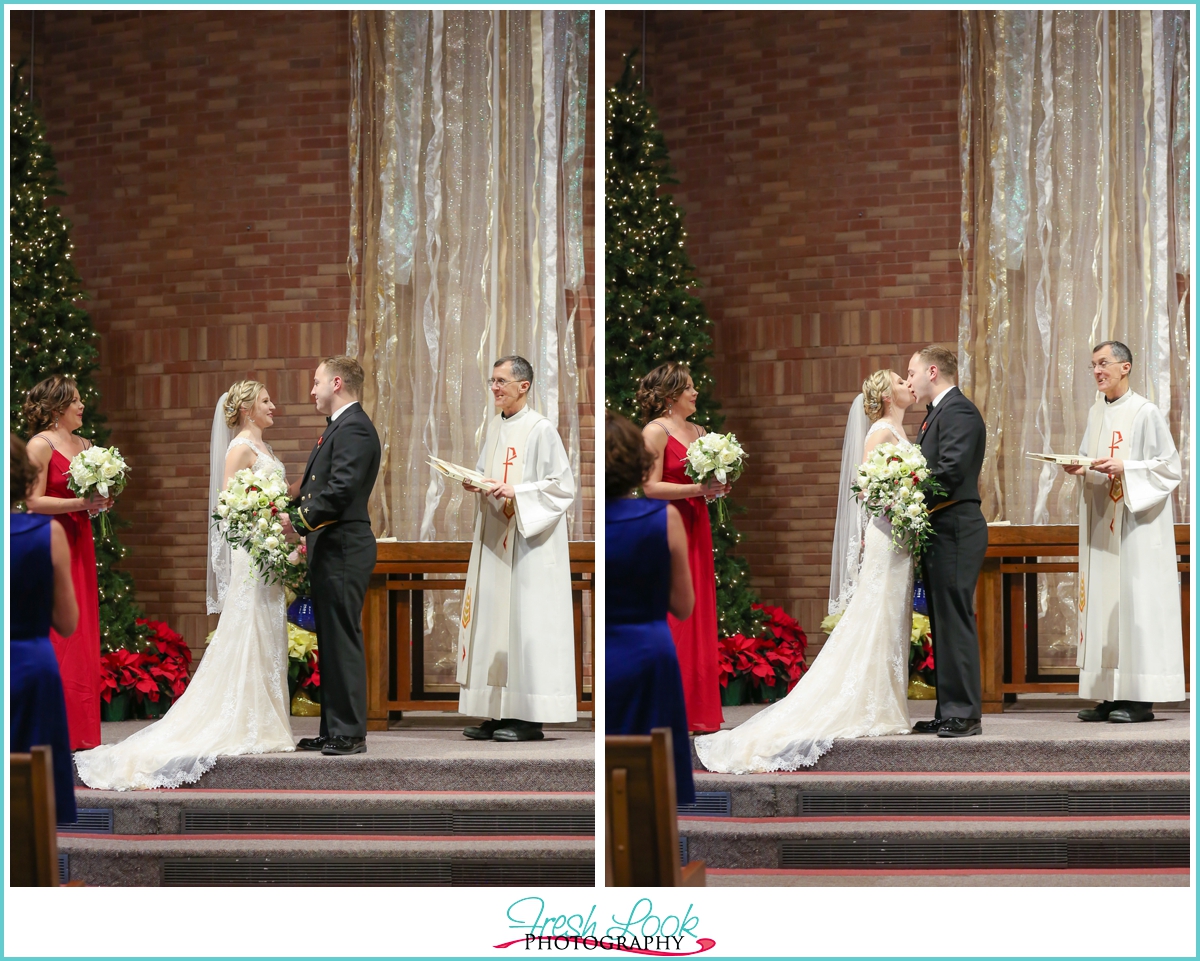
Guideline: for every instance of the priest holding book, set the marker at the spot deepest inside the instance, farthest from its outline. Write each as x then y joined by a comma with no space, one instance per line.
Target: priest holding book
516,640
1130,632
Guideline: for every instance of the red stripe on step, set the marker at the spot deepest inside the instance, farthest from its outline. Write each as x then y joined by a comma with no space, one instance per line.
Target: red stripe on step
938,818
933,872
925,774
336,792
330,837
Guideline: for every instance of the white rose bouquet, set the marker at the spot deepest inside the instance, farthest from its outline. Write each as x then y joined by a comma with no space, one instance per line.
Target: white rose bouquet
251,510
719,456
894,482
98,470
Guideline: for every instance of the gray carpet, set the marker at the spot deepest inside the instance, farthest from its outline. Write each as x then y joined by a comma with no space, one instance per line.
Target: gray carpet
1040,735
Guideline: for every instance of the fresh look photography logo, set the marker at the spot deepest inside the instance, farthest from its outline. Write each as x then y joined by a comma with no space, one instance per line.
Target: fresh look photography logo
640,930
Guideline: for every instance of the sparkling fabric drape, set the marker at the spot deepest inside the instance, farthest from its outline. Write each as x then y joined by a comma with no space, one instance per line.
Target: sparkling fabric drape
1076,225
467,146
1075,147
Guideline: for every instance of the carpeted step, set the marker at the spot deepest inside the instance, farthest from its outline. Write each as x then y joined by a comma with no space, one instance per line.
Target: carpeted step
325,861
420,761
812,793
930,844
207,811
1019,741
970,877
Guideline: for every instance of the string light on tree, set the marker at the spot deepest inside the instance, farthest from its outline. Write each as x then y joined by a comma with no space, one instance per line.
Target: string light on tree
52,334
652,313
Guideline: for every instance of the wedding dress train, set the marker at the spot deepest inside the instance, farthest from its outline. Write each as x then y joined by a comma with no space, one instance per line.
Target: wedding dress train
236,703
858,684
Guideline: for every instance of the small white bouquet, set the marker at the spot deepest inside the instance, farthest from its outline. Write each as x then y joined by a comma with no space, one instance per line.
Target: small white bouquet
251,510
98,470
894,482
719,456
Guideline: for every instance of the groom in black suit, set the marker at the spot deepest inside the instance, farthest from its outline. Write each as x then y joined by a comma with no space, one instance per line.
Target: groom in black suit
333,494
953,439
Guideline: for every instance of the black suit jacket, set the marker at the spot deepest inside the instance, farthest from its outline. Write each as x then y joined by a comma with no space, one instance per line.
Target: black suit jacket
953,439
341,472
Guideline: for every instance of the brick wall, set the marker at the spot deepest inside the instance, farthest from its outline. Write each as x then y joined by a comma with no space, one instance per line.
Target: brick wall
818,167
205,156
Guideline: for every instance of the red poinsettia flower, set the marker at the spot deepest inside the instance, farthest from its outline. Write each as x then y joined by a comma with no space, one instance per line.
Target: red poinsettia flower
314,678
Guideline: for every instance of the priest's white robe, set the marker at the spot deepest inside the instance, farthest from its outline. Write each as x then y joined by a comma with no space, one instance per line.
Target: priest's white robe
1130,633
517,629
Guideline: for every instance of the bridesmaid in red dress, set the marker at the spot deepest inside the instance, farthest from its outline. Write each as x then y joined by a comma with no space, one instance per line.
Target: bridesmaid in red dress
54,412
667,398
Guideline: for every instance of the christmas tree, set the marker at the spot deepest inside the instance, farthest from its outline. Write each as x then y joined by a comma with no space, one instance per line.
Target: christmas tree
51,334
651,313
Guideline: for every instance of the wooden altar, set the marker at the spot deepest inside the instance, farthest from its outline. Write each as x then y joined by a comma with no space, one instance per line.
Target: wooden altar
393,627
1006,607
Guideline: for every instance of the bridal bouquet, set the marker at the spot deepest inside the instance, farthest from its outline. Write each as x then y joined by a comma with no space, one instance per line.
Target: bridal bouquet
719,456
98,470
893,482
251,508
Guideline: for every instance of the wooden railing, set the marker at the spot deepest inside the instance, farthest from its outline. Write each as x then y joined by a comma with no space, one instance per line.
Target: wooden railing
392,622
1006,612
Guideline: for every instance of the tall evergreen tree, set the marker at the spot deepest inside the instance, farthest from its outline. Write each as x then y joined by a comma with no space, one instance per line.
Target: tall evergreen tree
652,314
51,333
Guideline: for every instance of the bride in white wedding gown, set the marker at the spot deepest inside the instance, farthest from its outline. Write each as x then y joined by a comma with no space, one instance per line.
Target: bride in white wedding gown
858,684
237,701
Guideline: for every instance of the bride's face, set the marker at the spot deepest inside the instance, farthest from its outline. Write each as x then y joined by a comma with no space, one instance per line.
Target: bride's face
902,395
263,411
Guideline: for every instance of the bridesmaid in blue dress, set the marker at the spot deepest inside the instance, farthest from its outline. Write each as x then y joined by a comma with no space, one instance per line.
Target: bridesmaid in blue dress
647,575
42,597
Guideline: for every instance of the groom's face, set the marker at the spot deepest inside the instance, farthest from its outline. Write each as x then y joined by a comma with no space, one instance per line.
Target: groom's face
323,390
919,380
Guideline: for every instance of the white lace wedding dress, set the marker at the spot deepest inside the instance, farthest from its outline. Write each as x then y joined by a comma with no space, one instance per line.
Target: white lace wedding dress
237,702
856,687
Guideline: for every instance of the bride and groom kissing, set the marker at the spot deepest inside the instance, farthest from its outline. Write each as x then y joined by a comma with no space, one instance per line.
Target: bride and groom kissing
237,701
858,685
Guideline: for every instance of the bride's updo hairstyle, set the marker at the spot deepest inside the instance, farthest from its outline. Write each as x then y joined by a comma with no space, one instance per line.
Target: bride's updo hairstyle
46,402
875,388
658,389
242,394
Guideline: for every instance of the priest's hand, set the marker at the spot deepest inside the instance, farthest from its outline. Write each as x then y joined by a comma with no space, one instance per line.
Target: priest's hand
503,492
1075,469
1112,466
472,489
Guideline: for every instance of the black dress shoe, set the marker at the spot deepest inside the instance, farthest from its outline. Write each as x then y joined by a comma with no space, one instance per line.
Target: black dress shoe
519,731
312,743
960,727
483,732
927,727
341,744
1098,713
1131,712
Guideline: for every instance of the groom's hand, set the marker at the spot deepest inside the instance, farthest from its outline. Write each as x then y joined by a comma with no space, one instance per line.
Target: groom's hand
286,521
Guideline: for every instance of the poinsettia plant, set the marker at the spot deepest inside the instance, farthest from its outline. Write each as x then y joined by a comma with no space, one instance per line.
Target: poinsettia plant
770,664
154,676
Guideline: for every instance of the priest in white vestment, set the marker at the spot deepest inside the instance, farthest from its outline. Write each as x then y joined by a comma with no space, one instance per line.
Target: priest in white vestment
516,657
1130,632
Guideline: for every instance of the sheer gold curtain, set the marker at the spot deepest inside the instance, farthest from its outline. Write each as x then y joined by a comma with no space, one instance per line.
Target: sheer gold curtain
1076,224
467,141
1075,140
467,138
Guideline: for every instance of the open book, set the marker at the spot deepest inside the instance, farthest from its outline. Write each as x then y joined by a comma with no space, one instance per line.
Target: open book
1064,460
456,472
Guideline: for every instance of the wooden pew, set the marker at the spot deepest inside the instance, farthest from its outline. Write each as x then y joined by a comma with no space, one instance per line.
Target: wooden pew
642,835
34,861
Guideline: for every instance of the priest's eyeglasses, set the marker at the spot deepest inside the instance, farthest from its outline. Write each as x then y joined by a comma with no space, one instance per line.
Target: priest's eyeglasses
499,382
1102,364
